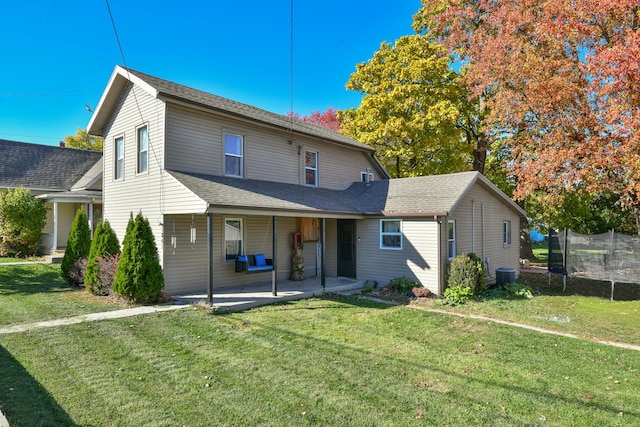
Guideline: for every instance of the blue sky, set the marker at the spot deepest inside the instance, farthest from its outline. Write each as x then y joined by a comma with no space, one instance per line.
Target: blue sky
59,54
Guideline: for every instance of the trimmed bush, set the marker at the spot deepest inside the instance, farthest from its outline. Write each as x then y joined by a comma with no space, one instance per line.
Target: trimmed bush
467,279
78,245
105,243
403,284
107,272
22,218
77,271
139,275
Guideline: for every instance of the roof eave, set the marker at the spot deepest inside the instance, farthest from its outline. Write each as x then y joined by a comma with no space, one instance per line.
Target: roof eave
117,83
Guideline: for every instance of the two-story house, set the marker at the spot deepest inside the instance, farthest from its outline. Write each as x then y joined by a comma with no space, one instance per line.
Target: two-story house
218,179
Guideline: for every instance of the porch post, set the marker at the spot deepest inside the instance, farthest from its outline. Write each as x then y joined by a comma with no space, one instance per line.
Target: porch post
90,204
210,257
274,272
323,277
55,227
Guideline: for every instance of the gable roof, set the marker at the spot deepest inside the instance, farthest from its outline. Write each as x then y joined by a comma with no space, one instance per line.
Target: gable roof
422,196
164,89
436,195
43,167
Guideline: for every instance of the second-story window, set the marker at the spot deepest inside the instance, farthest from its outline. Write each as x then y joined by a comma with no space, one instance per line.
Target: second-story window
143,149
233,154
119,158
311,168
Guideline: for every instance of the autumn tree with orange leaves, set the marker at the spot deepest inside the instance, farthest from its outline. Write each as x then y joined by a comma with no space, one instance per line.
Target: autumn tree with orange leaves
327,118
561,80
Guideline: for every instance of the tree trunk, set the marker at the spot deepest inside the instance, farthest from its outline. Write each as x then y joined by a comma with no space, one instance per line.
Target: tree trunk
526,252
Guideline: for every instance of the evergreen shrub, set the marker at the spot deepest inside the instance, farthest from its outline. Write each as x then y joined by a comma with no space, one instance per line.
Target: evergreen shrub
78,246
139,275
104,243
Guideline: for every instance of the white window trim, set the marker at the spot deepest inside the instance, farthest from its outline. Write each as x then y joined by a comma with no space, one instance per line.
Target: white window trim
224,234
455,243
317,179
388,233
116,158
506,233
225,154
138,152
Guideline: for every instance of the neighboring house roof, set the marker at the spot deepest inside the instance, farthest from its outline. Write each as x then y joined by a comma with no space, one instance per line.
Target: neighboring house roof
164,89
419,196
238,193
422,196
43,167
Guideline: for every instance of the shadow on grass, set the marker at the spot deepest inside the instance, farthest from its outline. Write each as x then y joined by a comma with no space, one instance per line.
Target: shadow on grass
23,399
579,286
333,347
30,279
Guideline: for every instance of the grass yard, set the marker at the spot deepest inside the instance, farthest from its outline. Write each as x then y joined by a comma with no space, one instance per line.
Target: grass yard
35,292
325,361
333,360
584,309
5,260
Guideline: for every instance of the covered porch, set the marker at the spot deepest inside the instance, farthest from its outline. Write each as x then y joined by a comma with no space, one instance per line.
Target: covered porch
249,296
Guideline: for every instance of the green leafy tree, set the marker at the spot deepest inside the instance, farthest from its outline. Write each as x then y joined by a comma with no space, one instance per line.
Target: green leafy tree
139,275
83,141
78,244
22,217
104,243
415,110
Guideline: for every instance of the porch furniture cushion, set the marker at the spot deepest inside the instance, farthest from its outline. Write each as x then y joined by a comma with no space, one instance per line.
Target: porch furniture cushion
260,260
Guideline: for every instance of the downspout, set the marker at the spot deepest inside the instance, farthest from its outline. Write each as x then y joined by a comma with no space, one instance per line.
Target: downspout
482,235
440,257
210,257
323,279
473,226
274,272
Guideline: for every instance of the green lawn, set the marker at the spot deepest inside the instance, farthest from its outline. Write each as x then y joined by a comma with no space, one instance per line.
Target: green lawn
324,361
35,292
584,309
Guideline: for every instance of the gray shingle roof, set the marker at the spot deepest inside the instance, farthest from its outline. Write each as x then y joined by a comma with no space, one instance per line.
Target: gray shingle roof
184,93
43,167
254,194
420,196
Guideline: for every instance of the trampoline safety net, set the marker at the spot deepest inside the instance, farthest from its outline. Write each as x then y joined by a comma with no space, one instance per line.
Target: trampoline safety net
609,256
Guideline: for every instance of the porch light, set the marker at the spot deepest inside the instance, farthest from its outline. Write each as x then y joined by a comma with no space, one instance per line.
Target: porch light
193,231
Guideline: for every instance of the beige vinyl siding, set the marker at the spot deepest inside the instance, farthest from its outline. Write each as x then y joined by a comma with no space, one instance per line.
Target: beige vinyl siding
194,144
331,247
417,259
135,192
481,211
186,267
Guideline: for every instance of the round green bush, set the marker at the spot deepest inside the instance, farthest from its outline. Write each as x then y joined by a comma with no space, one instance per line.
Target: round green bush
467,271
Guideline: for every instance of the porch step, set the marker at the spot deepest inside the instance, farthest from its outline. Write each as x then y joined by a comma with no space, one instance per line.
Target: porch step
54,258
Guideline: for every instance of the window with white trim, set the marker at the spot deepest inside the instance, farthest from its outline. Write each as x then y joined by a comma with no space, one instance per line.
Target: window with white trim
311,168
506,232
451,238
143,149
118,155
391,234
233,238
233,155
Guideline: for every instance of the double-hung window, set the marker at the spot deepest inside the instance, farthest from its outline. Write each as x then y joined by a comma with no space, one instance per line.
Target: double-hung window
451,238
233,155
391,234
311,168
118,154
506,233
233,238
143,149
